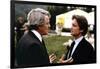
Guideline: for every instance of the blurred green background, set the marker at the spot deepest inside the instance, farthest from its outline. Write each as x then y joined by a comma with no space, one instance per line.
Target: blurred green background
54,44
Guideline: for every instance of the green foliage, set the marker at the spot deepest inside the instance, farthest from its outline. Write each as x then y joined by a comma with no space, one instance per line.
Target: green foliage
54,45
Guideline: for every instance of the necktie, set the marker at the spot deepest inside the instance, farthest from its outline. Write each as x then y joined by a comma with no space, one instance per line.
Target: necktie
43,42
70,50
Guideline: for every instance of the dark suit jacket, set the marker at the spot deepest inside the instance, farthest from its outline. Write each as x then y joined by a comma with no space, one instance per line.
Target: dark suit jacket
84,53
31,52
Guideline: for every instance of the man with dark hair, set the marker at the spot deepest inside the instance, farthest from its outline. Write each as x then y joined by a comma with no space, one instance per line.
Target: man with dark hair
81,51
19,27
31,50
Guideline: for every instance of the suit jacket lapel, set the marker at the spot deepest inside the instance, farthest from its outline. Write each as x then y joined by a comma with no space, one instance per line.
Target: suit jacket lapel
41,43
43,48
34,36
78,47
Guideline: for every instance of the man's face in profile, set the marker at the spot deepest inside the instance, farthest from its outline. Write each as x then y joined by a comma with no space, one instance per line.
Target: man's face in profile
44,28
75,30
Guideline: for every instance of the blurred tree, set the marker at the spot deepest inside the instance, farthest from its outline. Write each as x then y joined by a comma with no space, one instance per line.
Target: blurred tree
55,10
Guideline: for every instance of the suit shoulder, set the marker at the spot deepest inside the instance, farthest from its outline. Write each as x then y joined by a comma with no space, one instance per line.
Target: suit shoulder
86,44
26,40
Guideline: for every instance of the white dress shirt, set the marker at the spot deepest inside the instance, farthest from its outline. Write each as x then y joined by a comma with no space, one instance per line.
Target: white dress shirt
77,41
37,34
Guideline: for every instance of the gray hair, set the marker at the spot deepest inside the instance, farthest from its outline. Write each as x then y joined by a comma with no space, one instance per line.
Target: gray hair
36,16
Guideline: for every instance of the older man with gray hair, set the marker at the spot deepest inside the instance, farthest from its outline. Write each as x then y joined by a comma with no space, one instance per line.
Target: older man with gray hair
31,50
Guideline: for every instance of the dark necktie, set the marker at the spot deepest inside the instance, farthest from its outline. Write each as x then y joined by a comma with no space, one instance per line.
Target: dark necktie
70,50
43,42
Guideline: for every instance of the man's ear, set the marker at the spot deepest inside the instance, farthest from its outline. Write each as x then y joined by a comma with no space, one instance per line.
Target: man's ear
40,27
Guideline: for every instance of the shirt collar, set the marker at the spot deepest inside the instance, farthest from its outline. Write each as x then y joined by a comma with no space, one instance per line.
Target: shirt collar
78,40
37,34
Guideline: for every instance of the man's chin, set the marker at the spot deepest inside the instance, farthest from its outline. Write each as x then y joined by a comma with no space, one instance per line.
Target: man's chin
45,34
